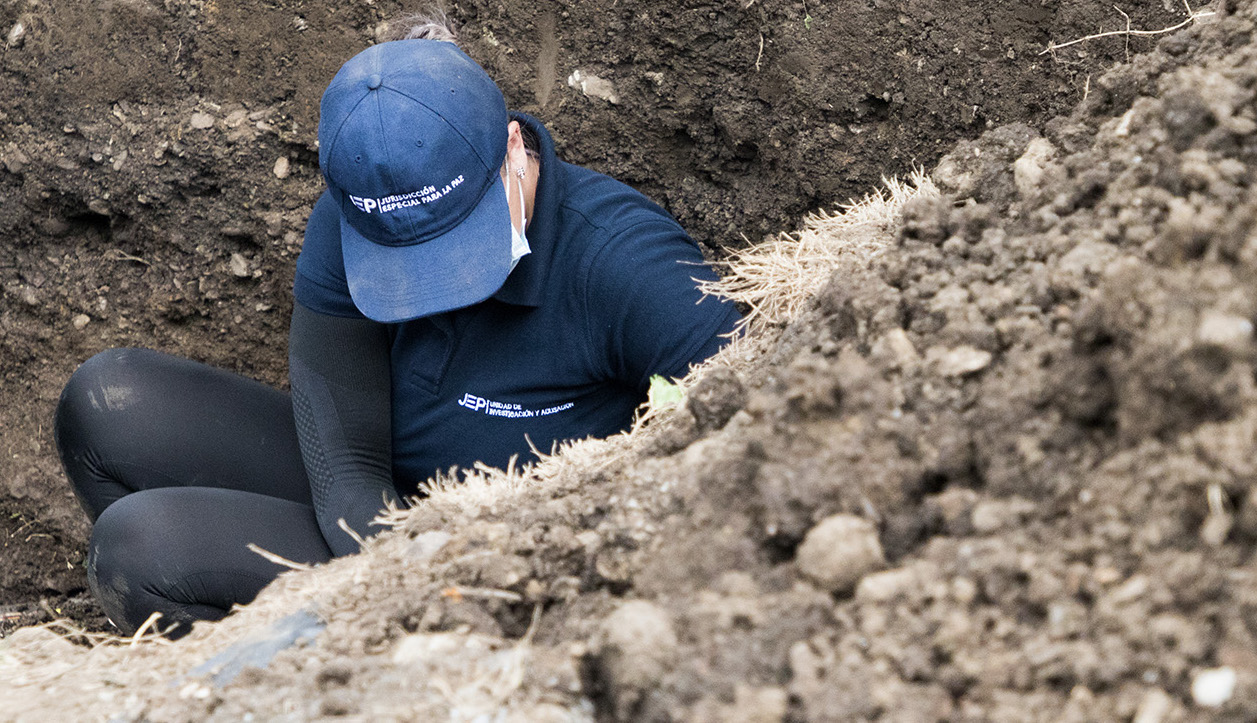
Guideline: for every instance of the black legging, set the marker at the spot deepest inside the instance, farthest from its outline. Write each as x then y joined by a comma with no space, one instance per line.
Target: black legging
180,466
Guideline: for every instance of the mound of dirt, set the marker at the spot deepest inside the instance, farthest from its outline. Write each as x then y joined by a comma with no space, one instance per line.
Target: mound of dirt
993,463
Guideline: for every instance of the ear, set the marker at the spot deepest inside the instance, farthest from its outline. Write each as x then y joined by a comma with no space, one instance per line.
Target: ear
516,153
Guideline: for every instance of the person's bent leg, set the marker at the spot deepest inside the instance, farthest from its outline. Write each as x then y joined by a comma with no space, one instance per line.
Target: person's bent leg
182,551
134,419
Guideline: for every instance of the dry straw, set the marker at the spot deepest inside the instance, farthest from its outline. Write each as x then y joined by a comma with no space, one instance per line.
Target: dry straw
277,559
471,490
776,279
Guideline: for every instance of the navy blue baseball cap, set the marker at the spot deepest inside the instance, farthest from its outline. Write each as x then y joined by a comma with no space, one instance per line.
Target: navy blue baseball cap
412,135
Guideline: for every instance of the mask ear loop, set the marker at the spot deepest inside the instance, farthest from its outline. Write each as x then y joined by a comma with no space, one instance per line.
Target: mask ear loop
520,173
519,239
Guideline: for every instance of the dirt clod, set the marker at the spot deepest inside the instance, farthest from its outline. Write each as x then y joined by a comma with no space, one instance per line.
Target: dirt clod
1213,688
839,551
17,35
717,397
201,121
960,361
635,647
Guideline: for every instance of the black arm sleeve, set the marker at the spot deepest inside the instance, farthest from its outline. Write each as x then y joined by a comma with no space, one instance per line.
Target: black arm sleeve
340,374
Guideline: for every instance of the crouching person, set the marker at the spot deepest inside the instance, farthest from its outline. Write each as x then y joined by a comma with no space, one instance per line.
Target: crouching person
462,295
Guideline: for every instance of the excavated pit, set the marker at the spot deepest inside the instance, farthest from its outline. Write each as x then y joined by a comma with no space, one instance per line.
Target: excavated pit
1039,398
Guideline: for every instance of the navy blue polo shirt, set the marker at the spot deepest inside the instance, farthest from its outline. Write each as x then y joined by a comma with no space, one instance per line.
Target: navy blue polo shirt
565,349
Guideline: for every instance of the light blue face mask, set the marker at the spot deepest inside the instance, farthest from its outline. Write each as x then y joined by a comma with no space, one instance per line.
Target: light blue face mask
519,242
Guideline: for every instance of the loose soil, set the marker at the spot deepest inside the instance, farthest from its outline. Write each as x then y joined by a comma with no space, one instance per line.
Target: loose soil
1028,421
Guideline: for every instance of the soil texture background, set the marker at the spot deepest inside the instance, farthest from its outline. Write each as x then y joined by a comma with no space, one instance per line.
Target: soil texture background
997,467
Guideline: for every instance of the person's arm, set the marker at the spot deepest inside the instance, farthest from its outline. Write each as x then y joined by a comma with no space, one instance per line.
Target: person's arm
339,369
649,315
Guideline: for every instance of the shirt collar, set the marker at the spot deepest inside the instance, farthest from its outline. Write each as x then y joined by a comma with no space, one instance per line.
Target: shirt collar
526,284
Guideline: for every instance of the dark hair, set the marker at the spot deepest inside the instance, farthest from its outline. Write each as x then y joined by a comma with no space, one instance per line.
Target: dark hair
532,144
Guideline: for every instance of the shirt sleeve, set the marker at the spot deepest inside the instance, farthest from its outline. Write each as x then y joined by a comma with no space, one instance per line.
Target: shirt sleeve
341,391
320,283
647,315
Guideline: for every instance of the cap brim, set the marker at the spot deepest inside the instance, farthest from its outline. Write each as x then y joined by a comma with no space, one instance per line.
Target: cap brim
464,266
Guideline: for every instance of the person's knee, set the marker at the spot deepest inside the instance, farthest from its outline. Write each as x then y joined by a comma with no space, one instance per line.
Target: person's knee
92,419
100,385
113,563
126,551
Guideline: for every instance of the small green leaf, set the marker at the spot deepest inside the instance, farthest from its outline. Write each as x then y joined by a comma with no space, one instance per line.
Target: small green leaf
663,393
807,22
